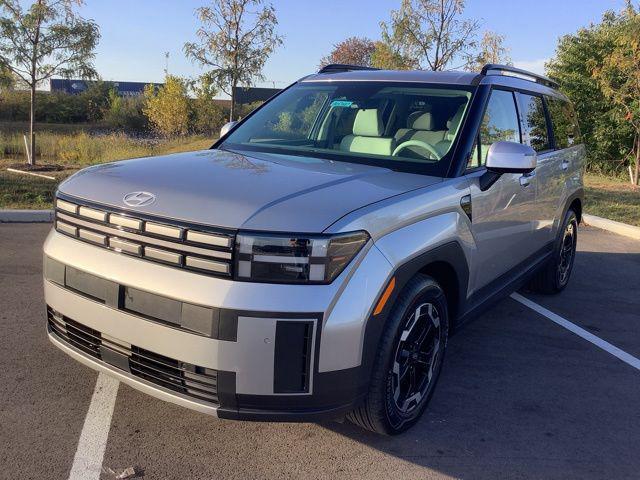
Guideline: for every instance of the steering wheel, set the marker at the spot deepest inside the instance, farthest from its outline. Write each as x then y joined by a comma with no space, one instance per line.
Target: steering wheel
417,143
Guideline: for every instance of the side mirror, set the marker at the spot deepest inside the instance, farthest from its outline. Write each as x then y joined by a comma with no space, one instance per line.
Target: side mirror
226,128
511,157
507,157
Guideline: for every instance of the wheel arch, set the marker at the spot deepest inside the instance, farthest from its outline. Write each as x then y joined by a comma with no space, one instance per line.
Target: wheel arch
448,278
574,201
576,206
447,265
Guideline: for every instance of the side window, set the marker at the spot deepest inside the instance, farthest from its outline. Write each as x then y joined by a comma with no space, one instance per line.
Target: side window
565,127
500,123
534,122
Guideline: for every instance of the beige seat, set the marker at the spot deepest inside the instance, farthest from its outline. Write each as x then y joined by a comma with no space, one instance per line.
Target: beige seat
452,129
420,128
367,135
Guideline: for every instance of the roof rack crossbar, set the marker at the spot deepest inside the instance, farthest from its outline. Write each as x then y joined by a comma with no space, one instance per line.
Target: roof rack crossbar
343,67
509,71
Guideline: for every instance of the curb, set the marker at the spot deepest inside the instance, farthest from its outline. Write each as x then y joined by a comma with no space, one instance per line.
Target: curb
612,226
26,216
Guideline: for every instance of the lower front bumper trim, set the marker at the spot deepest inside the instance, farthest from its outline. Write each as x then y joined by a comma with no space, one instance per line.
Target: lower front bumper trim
134,382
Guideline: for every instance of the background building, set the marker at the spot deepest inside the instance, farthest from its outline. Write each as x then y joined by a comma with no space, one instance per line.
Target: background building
75,87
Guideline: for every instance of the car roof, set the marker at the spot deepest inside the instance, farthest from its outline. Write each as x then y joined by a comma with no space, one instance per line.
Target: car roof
430,77
419,76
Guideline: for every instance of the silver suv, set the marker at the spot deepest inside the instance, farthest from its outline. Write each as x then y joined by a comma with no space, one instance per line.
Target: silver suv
314,261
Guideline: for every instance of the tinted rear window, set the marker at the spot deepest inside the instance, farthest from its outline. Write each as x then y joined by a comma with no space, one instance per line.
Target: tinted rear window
565,126
534,122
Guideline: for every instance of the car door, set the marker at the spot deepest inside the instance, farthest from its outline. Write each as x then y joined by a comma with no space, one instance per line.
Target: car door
560,166
503,214
550,178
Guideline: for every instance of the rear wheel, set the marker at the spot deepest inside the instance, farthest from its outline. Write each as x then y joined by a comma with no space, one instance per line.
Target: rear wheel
409,359
554,276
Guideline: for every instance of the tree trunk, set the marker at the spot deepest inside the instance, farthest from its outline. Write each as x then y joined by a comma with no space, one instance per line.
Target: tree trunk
232,113
32,134
637,179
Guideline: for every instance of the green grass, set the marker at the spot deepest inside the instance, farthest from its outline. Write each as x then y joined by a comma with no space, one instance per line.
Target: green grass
60,128
72,152
82,149
22,191
612,198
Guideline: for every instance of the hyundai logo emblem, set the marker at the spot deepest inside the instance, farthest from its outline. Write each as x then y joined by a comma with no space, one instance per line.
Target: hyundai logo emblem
139,199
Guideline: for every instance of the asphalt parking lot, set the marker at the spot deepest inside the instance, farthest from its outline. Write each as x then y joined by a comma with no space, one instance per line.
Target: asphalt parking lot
519,396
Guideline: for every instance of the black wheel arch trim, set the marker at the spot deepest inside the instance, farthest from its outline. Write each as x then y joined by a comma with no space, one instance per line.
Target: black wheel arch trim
451,254
577,195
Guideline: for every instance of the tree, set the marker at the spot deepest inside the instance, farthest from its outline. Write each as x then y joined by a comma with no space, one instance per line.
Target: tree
388,57
431,32
167,107
96,99
492,50
7,80
608,137
207,115
618,75
235,41
47,39
352,51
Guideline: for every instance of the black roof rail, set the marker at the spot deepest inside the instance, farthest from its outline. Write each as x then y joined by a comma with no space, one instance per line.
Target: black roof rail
509,71
343,67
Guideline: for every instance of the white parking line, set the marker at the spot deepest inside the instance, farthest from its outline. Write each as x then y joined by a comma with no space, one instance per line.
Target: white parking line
87,463
581,332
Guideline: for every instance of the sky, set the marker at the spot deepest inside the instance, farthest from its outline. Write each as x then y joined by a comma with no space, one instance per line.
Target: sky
137,33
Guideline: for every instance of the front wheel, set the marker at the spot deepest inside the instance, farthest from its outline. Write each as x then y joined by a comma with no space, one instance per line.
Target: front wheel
554,276
409,359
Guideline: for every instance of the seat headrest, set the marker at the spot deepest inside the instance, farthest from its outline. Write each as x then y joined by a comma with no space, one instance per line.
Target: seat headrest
423,122
368,123
454,121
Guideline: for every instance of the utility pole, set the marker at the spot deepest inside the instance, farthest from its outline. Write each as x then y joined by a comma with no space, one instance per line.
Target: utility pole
166,63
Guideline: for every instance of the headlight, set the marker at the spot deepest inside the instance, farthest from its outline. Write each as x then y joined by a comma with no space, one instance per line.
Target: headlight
295,259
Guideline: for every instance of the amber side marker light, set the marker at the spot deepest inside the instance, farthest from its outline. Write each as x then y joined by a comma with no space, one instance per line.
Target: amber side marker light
385,296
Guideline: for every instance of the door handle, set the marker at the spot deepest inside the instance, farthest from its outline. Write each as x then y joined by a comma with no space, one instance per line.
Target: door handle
565,164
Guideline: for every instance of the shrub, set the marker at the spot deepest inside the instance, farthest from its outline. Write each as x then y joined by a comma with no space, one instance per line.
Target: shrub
168,107
125,113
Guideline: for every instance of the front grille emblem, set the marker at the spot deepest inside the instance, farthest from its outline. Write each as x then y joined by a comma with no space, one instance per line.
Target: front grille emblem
139,199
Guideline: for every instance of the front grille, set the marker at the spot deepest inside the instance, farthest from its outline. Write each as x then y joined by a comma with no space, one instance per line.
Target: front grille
197,248
174,375
182,377
76,334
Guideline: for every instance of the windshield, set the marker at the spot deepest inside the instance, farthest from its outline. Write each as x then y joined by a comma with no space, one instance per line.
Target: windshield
399,126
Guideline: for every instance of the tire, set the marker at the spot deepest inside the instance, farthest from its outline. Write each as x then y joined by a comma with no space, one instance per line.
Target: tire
420,310
554,276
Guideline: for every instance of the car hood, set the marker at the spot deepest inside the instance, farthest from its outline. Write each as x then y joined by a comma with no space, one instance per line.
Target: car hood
257,191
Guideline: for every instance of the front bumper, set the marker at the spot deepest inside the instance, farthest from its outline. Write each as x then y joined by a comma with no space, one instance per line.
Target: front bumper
259,366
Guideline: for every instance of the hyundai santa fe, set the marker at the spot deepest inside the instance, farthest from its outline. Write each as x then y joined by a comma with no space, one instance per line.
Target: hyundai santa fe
313,262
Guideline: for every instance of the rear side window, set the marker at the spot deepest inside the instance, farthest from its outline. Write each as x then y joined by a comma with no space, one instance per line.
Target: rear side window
535,131
500,123
565,127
